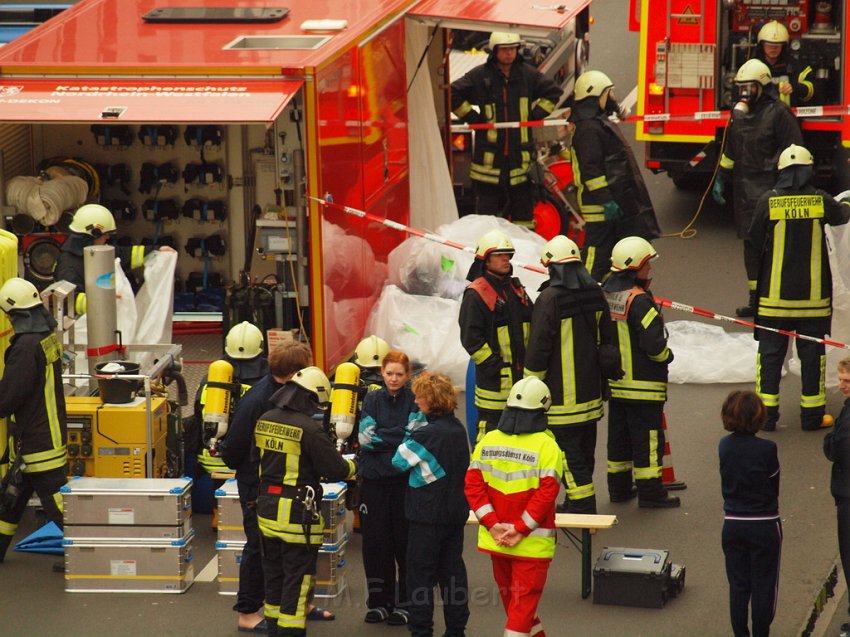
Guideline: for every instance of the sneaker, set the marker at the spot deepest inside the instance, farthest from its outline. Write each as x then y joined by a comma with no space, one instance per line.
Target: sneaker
667,502
398,617
376,615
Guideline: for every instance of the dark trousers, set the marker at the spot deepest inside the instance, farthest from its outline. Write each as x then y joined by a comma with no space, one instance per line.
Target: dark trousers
289,571
46,484
752,552
752,261
252,592
511,202
600,237
488,420
578,442
384,528
636,448
435,558
771,355
842,506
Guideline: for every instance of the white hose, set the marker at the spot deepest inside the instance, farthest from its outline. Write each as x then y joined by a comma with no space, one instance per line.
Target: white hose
45,201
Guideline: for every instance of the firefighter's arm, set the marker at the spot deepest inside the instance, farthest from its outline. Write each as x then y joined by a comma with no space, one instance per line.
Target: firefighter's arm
758,226
464,97
541,339
473,321
539,506
19,380
590,150
547,95
837,212
646,318
477,496
327,461
805,88
787,130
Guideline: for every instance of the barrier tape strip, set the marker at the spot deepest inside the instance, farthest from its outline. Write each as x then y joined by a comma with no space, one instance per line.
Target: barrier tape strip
673,305
106,349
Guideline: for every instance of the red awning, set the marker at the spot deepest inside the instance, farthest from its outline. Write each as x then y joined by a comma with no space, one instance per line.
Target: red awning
144,100
528,17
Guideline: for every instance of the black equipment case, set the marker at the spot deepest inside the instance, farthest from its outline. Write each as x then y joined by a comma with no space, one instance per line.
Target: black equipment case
636,577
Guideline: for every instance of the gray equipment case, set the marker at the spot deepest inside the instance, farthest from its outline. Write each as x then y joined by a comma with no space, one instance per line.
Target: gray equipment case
636,577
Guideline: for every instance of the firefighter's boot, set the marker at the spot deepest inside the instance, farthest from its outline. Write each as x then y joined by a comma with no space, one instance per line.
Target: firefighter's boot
5,541
750,308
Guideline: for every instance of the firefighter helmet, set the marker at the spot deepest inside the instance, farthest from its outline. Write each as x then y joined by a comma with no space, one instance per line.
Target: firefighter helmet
795,156
314,380
493,242
591,84
754,71
244,340
501,38
631,253
530,393
370,351
18,294
559,249
773,33
92,219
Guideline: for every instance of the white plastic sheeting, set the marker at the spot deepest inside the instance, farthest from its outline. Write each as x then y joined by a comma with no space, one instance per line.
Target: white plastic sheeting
705,353
432,201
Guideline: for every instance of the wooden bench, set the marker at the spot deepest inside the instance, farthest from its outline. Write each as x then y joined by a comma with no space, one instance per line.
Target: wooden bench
588,524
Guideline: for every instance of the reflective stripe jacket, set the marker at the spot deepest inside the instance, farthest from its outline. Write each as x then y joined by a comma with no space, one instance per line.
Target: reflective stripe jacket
783,72
795,280
294,451
31,392
514,479
523,96
494,329
566,328
605,169
383,424
643,346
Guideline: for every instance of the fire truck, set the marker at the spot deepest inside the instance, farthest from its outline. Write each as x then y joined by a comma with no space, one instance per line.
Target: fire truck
689,52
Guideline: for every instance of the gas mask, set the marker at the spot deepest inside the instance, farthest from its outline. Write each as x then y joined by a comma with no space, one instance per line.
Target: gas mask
748,94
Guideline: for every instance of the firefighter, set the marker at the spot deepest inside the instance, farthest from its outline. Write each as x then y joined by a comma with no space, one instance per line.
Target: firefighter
295,455
31,394
570,322
612,195
514,501
505,89
760,129
636,408
495,313
284,361
794,283
794,88
369,357
93,225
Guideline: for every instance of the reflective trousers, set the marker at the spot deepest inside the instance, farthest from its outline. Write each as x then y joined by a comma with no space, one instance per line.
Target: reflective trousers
289,570
578,442
520,585
635,448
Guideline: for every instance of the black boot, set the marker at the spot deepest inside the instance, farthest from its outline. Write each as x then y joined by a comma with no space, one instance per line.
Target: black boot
5,541
750,308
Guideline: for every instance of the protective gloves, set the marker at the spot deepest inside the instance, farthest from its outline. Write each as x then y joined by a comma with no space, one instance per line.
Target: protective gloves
717,189
612,211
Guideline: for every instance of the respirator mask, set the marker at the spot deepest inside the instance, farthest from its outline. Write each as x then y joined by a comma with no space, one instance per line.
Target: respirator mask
747,95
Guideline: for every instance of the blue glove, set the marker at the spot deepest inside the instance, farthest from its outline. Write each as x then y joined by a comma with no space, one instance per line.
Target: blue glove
717,189
612,211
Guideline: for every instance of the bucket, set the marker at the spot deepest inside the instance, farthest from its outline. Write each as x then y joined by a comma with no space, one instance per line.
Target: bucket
118,390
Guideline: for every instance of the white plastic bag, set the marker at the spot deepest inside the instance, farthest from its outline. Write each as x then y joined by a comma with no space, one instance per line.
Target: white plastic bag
155,303
706,353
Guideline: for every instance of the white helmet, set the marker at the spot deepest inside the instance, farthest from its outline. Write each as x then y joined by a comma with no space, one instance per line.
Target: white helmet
754,71
591,84
314,380
370,351
773,33
493,242
631,253
795,156
501,38
92,219
530,393
560,249
18,294
243,341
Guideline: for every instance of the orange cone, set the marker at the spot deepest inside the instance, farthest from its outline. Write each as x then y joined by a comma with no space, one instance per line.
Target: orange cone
668,476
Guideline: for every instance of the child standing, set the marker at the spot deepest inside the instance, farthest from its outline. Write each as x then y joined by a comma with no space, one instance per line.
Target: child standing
752,530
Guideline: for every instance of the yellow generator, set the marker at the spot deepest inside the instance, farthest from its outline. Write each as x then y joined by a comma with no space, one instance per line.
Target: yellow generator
110,441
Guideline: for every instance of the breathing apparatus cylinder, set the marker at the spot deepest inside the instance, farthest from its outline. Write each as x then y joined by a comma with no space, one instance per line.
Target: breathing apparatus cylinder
344,402
217,403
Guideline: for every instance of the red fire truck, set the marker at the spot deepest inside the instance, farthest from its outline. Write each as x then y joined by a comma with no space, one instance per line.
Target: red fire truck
689,53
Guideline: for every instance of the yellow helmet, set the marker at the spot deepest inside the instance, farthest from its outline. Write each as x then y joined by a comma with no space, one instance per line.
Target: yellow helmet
795,156
92,219
631,253
754,71
591,84
559,249
370,351
501,38
493,242
18,294
314,380
530,393
244,340
773,33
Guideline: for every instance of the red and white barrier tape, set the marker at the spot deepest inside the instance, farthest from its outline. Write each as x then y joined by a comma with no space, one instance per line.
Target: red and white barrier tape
673,305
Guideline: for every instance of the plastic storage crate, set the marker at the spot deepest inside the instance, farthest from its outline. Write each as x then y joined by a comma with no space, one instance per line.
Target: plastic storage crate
230,527
634,577
334,513
330,570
